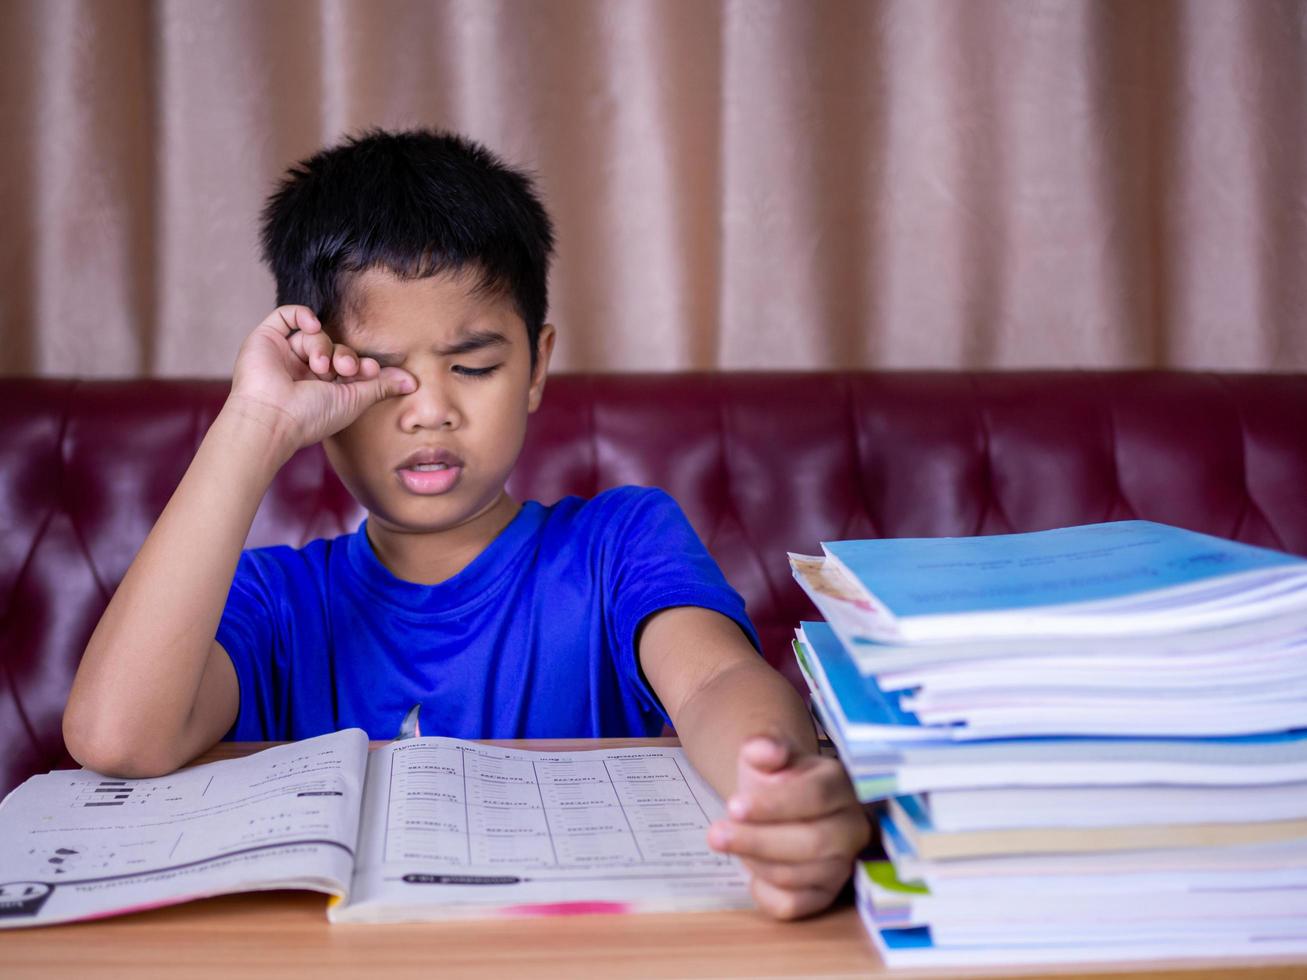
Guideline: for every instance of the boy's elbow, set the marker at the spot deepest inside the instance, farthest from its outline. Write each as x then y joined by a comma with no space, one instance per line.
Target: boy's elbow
112,755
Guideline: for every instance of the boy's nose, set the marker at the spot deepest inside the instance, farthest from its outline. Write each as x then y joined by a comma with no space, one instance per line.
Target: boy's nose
428,407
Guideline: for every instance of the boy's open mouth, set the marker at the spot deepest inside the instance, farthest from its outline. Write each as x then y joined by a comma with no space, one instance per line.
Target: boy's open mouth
430,471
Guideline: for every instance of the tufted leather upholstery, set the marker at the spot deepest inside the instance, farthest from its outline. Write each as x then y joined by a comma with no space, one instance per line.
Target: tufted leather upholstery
762,464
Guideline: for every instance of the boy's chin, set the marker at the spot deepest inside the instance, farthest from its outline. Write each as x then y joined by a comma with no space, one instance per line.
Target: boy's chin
402,523
432,515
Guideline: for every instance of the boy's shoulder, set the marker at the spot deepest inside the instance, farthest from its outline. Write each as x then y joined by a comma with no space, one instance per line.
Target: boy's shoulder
276,564
615,514
314,550
614,502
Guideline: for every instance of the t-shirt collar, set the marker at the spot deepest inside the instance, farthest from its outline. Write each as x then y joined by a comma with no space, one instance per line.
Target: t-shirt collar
483,577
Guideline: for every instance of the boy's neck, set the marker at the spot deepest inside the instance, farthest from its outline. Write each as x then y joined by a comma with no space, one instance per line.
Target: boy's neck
429,558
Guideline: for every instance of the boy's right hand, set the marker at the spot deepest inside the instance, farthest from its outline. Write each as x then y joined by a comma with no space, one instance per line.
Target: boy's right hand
292,377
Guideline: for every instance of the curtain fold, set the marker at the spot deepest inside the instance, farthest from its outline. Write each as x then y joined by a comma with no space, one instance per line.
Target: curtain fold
737,184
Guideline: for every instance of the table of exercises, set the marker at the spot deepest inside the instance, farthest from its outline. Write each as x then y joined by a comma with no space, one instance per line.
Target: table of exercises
461,805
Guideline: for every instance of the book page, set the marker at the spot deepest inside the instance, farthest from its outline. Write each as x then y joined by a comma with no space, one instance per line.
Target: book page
75,844
454,828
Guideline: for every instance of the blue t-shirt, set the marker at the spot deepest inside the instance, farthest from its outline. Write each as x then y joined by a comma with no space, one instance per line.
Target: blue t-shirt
534,639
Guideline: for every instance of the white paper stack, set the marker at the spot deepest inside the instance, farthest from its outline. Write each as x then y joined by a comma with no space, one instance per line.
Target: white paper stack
1091,741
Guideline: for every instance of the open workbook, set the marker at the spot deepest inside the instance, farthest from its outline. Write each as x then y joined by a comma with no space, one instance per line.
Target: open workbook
422,828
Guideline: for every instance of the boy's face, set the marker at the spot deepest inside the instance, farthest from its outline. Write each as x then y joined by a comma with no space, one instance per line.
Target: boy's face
437,459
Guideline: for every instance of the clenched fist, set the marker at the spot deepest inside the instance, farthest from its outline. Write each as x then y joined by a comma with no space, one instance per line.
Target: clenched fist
796,825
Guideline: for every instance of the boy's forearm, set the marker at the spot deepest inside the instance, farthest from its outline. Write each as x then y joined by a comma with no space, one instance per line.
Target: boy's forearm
743,700
139,676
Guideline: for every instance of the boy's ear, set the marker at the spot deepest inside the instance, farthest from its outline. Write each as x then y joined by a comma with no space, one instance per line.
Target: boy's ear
544,350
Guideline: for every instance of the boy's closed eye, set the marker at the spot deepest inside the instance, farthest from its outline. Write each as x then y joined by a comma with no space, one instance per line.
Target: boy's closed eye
468,371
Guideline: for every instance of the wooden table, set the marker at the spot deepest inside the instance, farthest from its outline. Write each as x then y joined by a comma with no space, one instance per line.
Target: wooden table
287,934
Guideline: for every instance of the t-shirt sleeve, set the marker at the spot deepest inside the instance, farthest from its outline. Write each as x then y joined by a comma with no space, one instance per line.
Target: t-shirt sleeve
656,562
247,631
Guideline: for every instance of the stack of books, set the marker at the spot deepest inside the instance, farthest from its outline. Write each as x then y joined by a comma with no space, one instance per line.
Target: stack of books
1091,742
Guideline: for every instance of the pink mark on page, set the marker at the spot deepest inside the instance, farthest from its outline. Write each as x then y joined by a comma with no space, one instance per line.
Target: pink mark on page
570,908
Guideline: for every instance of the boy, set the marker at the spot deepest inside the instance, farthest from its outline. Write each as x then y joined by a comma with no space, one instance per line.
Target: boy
411,340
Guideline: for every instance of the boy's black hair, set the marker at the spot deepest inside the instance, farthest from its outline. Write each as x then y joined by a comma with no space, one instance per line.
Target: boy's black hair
416,202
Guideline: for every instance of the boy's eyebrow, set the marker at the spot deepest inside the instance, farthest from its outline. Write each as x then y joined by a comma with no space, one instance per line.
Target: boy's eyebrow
474,341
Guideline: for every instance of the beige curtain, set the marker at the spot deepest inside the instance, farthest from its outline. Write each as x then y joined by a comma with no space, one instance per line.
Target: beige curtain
740,184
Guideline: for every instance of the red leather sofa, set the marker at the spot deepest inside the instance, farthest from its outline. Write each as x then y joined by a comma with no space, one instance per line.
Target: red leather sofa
762,463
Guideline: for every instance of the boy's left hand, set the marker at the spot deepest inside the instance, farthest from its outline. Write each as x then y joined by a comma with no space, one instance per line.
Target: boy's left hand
796,825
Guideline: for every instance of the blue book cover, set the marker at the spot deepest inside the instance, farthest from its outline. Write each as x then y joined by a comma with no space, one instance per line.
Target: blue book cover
879,731
913,807
861,700
911,938
940,576
895,842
